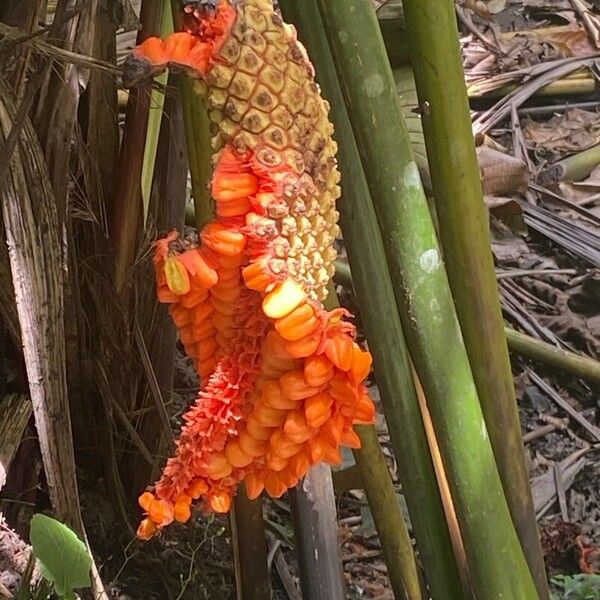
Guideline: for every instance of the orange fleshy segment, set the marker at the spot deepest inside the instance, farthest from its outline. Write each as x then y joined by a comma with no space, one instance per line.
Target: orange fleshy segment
195,50
282,378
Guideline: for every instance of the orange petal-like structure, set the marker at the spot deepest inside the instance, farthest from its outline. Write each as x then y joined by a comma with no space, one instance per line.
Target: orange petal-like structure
282,378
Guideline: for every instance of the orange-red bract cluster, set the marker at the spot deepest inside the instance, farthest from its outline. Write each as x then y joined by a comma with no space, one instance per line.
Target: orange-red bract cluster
282,376
194,48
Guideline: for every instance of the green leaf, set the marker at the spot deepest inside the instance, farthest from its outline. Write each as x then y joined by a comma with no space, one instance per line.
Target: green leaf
63,557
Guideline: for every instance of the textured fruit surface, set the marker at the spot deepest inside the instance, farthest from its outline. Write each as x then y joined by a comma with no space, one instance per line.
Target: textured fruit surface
282,377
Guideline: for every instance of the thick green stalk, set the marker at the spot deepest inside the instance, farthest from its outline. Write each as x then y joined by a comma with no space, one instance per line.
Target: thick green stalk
423,296
386,339
195,116
391,527
580,366
381,495
455,178
197,133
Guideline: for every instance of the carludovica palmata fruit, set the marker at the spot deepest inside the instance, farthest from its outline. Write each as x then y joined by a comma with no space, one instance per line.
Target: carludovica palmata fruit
282,377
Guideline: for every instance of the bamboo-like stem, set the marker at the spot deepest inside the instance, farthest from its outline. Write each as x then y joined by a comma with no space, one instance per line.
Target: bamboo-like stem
197,132
195,115
573,168
249,548
381,495
569,362
386,339
437,62
425,301
391,528
547,354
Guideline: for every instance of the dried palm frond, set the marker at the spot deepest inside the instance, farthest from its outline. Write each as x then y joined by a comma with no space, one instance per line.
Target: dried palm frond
36,261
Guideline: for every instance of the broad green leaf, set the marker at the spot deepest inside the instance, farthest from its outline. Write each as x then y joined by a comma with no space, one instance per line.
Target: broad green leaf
63,557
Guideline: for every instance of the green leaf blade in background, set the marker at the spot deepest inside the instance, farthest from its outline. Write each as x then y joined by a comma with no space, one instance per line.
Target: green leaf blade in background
63,557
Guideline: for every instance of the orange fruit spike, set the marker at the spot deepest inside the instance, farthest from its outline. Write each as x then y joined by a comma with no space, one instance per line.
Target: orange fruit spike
220,502
202,312
365,410
274,362
304,347
318,370
226,294
181,511
317,409
177,277
233,208
340,352
294,387
342,390
235,455
296,428
255,484
181,316
221,321
298,324
288,478
222,239
225,261
283,299
147,529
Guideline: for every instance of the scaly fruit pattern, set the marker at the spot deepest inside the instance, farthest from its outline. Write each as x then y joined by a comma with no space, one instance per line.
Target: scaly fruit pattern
282,377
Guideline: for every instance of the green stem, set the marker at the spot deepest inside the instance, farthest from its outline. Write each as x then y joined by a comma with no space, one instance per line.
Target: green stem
386,339
426,305
381,495
455,178
391,528
568,362
198,138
